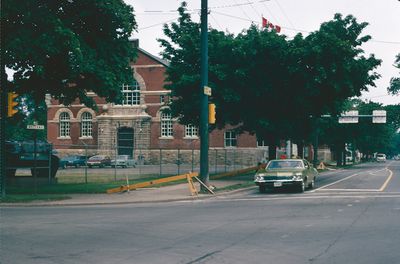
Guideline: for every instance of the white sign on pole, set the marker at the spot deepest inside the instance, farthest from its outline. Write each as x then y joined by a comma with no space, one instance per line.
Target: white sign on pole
349,117
207,90
39,127
379,116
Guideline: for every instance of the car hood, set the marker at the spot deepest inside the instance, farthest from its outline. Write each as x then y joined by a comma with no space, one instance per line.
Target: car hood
280,172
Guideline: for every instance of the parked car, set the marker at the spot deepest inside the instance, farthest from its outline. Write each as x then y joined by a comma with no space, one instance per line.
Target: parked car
297,173
72,161
380,157
99,161
123,161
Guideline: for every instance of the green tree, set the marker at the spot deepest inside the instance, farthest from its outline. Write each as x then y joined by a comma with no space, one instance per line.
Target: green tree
264,83
66,48
394,87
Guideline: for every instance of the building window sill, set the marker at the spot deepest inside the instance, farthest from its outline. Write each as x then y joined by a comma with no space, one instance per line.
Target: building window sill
190,137
64,137
86,137
166,138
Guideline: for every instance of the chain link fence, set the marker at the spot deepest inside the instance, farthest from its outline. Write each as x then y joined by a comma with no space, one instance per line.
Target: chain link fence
84,164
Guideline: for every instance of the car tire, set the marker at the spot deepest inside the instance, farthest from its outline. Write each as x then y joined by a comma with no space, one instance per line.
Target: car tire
90,166
311,185
301,187
262,188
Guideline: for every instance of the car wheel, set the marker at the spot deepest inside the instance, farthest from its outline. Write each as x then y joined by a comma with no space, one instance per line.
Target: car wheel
262,188
90,166
312,184
302,187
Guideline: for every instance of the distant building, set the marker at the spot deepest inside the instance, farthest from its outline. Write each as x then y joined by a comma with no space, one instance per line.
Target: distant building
138,123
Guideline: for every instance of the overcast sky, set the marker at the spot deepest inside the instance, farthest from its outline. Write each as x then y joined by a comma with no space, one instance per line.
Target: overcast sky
293,16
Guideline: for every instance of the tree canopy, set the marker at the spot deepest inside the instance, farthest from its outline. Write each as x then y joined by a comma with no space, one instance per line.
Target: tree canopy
394,87
66,48
264,82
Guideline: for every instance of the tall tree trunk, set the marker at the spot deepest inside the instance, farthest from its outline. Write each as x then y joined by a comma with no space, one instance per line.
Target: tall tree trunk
272,149
300,149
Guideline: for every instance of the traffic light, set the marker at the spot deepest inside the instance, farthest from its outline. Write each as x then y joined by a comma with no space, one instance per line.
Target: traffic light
211,114
12,104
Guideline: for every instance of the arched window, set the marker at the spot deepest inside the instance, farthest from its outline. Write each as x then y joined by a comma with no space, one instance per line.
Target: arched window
131,94
166,125
86,124
64,124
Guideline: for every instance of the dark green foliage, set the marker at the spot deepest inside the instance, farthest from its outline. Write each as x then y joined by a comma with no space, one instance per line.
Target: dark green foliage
394,87
264,83
66,48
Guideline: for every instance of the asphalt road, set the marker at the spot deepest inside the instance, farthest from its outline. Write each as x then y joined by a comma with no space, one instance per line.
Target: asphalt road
352,216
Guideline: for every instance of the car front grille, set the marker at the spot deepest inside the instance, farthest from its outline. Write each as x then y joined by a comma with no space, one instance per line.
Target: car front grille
276,178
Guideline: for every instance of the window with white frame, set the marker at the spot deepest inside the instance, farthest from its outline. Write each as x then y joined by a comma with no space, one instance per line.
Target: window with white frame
86,124
191,131
131,94
64,124
230,139
261,143
166,125
162,99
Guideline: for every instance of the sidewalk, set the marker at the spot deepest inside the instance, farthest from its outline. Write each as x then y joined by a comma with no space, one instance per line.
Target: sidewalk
178,192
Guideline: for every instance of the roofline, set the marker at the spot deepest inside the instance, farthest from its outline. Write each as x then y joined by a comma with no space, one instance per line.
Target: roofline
163,62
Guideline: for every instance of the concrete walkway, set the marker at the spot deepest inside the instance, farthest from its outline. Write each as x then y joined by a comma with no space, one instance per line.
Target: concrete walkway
178,192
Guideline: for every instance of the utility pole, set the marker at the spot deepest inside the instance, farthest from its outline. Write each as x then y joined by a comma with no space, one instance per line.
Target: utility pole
3,114
204,176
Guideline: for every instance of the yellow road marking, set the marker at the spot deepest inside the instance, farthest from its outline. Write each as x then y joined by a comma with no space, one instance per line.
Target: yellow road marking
385,184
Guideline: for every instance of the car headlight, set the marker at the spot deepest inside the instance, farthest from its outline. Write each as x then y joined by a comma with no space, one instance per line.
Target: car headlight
258,178
297,176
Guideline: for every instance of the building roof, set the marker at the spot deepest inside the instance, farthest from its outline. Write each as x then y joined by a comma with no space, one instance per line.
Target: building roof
163,62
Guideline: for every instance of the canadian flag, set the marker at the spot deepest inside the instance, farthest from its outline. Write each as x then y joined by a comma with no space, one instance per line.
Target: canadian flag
264,22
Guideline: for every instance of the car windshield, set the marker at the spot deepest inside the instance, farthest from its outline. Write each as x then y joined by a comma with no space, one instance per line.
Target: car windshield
123,157
97,158
381,155
283,164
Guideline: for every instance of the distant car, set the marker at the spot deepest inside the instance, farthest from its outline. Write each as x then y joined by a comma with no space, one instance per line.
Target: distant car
380,157
99,161
123,161
296,173
72,161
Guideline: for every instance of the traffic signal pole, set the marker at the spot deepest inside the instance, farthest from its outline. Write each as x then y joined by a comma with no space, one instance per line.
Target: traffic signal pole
204,173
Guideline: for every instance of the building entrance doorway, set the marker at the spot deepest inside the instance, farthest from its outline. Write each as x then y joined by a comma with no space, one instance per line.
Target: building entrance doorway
125,141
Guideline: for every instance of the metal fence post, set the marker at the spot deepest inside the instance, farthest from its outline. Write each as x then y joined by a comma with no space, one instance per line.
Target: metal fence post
216,161
225,159
192,159
49,167
115,163
178,161
86,155
160,162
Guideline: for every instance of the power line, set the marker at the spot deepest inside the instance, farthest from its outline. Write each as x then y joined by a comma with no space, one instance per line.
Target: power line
284,13
155,25
198,9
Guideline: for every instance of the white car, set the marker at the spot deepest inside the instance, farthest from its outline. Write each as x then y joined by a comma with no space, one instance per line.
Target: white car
123,161
380,157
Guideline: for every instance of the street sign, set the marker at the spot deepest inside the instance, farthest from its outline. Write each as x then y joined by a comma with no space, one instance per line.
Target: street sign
379,116
349,117
37,127
207,90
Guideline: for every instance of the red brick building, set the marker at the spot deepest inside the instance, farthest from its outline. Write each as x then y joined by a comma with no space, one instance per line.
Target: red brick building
137,123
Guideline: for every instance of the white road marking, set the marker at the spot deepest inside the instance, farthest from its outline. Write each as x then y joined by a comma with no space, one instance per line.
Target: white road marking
330,184
385,184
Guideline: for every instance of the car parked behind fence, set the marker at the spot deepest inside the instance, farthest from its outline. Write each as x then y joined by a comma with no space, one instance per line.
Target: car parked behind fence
123,161
73,161
99,161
